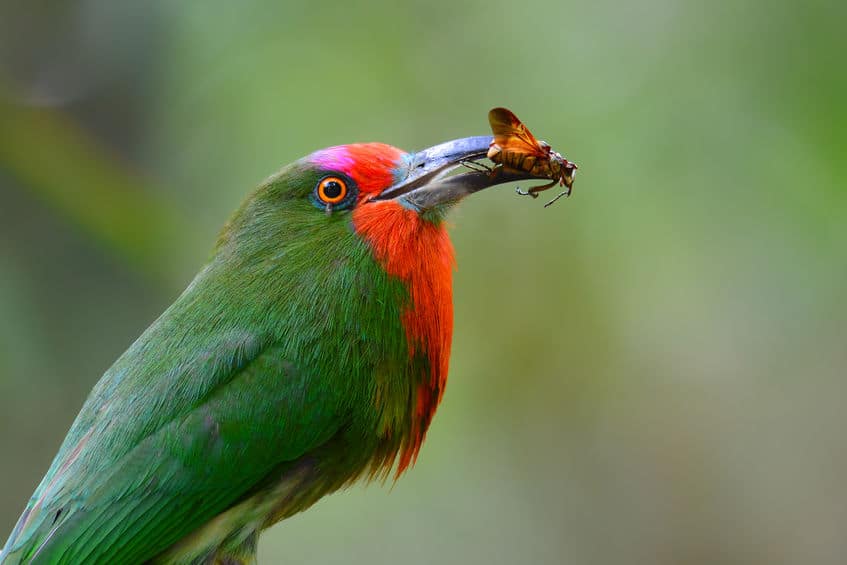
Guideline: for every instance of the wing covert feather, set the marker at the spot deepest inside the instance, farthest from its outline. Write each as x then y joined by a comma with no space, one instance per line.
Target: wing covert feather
186,471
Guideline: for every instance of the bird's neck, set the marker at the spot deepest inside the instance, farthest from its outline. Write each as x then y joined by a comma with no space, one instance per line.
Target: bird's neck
417,251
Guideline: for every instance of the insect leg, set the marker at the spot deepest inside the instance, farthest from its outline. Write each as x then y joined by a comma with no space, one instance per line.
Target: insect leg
536,189
478,167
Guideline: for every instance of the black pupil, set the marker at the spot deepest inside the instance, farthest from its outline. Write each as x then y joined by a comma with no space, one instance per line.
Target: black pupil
332,189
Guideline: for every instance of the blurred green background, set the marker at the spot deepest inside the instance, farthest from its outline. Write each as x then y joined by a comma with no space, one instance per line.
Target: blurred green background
649,372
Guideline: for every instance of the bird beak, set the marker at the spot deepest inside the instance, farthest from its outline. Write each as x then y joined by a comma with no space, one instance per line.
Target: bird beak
426,184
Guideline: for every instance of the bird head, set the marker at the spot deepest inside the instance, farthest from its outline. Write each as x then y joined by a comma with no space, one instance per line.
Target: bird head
377,192
348,177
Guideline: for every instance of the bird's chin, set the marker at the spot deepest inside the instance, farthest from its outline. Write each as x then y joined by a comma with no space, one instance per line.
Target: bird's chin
427,183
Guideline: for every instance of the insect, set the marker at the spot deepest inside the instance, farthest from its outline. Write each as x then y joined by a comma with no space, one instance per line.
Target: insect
515,149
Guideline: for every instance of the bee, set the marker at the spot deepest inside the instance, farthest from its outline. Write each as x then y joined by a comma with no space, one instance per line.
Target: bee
515,149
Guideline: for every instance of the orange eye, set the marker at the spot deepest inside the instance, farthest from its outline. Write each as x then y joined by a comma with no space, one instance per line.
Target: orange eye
332,190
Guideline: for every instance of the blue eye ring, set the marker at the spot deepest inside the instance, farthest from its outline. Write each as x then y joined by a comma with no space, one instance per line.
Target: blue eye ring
334,192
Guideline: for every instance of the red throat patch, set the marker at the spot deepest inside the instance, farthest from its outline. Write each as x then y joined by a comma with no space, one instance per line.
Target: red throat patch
418,252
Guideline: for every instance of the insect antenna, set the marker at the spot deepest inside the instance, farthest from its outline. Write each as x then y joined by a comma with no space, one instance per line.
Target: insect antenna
565,193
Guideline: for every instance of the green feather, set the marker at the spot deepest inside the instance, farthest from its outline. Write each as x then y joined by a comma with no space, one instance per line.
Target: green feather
251,397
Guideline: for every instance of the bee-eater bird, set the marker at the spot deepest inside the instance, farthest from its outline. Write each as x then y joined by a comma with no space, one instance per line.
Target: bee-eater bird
311,350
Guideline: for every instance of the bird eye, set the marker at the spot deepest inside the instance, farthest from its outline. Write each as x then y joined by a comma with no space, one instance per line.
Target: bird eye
332,190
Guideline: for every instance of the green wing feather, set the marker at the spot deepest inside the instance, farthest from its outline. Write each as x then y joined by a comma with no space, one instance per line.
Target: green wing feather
116,493
242,374
183,425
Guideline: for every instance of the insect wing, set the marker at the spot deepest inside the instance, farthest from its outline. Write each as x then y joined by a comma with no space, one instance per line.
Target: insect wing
510,133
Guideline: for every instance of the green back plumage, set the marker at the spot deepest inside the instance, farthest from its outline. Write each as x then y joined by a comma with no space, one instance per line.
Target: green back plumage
284,360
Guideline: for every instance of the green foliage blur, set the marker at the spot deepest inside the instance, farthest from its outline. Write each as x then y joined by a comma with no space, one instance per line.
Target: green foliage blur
652,371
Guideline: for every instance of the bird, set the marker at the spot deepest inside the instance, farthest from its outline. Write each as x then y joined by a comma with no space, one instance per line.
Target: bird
309,352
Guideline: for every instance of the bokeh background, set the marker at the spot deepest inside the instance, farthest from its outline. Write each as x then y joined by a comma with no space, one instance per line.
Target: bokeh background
652,371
